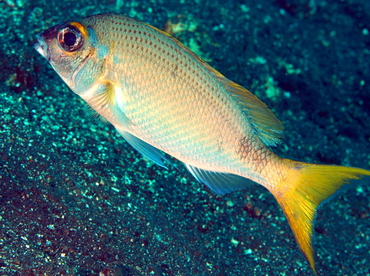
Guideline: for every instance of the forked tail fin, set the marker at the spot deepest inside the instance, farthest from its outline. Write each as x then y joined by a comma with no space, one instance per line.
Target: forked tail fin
302,190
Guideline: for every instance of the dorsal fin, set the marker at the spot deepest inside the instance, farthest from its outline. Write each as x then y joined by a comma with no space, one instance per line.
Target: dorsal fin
266,125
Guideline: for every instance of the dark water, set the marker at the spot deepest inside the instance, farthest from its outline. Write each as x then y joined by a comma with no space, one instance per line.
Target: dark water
75,199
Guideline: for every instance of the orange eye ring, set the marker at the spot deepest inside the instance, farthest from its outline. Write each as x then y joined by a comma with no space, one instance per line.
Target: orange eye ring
70,38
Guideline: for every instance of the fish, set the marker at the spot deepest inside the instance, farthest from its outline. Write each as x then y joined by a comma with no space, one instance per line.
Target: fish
165,100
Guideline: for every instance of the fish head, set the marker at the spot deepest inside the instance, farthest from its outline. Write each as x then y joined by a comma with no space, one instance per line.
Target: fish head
71,49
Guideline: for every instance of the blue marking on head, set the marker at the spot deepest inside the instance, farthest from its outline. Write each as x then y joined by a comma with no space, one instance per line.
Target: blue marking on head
102,49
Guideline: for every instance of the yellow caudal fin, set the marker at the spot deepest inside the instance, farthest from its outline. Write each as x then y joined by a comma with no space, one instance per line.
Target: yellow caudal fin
302,188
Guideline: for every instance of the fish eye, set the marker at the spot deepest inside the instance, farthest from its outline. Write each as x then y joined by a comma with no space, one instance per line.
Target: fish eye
70,38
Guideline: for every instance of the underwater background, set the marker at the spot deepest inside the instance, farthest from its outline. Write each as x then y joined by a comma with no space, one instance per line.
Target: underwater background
76,199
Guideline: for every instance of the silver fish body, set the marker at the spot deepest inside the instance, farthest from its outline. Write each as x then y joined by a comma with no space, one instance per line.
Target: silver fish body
161,97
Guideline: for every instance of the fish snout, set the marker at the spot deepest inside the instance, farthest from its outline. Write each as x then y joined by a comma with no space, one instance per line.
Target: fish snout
41,46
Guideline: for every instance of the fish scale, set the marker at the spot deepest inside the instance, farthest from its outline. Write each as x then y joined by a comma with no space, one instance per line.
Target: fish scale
160,96
169,90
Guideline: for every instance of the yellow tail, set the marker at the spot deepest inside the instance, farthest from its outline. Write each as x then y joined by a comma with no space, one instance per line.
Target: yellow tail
301,190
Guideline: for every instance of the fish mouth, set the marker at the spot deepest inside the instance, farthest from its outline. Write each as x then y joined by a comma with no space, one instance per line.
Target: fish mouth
40,46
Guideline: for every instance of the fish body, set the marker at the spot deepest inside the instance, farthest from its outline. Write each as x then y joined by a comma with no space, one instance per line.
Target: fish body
161,97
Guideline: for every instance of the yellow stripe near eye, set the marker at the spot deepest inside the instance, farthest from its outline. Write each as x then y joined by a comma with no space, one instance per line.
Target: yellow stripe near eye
80,27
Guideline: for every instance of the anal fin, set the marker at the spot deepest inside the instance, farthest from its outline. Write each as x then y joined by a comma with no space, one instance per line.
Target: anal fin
218,182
